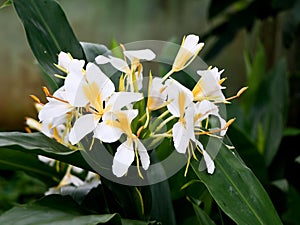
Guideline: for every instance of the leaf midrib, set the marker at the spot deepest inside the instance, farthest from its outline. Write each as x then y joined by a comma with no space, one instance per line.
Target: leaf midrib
45,25
235,187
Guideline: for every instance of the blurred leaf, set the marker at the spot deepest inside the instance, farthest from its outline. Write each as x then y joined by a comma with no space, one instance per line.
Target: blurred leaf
92,50
16,160
292,215
59,210
270,109
243,17
116,49
217,8
48,32
127,200
201,216
282,5
39,144
162,208
234,186
249,152
298,159
5,4
282,185
291,131
291,25
256,73
79,193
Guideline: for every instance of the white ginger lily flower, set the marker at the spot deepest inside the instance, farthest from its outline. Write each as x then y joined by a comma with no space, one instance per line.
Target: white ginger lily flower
67,64
99,92
110,130
209,86
129,69
181,105
204,109
188,51
54,114
156,94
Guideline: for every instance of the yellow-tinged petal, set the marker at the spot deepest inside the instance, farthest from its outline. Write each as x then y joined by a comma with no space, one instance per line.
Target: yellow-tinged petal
123,158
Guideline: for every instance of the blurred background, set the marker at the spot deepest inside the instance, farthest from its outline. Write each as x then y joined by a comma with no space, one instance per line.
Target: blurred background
126,21
257,42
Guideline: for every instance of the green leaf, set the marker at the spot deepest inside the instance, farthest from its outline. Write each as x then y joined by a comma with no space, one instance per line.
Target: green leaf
92,50
236,189
270,109
291,131
5,4
291,215
162,208
256,73
48,32
126,200
16,160
39,144
55,210
202,217
249,152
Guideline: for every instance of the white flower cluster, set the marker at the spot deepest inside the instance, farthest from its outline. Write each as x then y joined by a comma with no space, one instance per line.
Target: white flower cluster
89,103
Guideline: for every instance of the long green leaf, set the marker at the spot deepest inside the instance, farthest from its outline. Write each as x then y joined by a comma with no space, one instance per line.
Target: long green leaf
92,50
39,144
59,210
270,110
48,32
236,189
16,160
62,210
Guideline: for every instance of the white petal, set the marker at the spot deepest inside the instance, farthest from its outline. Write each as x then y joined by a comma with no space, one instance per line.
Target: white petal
54,109
175,90
210,165
122,99
74,180
205,108
181,137
157,94
82,126
145,159
60,93
190,42
107,133
157,88
64,60
139,80
144,54
131,114
123,158
74,89
189,120
119,64
46,128
101,59
211,89
105,85
76,65
46,160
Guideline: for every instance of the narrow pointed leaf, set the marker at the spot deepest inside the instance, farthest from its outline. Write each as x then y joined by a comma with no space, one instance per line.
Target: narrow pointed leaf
16,160
55,210
39,144
236,189
48,32
92,50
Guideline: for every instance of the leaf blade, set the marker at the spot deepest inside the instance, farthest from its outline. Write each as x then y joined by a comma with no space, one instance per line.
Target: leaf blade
45,37
233,185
